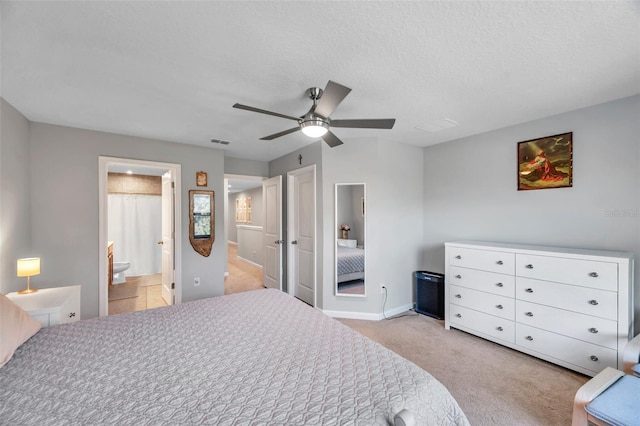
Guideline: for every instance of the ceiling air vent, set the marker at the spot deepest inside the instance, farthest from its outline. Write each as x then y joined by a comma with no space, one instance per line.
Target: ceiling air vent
220,141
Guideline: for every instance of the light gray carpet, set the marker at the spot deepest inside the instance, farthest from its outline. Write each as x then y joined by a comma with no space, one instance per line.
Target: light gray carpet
494,385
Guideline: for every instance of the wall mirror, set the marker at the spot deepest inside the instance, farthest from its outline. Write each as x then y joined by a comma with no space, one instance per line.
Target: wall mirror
350,239
201,221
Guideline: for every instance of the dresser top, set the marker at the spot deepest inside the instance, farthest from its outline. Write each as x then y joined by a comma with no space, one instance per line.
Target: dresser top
534,249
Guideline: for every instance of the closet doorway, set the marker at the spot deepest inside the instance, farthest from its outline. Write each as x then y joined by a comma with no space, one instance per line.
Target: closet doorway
244,225
139,210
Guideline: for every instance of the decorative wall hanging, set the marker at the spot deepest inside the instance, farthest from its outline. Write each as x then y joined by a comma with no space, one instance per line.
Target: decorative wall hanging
243,210
201,178
201,221
546,162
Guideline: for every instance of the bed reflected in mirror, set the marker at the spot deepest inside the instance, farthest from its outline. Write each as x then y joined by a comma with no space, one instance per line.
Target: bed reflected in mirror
350,239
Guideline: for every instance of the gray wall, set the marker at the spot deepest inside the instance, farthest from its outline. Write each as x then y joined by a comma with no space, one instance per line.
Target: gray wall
238,166
64,206
394,223
256,211
470,189
15,213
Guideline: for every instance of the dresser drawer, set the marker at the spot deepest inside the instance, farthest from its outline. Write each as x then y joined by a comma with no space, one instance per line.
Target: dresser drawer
576,352
603,304
499,328
491,282
493,261
588,328
585,273
493,304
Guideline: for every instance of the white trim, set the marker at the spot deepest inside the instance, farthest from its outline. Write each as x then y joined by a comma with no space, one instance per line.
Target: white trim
291,228
103,165
232,242
250,227
354,315
369,316
249,262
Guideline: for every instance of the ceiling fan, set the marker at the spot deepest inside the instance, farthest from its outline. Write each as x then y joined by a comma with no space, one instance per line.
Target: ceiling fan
316,122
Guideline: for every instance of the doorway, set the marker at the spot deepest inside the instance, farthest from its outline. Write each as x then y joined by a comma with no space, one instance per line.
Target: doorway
139,208
243,233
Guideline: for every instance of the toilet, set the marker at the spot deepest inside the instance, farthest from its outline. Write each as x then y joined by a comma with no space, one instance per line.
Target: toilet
118,272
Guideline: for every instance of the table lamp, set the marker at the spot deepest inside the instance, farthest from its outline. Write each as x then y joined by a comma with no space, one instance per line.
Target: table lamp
27,268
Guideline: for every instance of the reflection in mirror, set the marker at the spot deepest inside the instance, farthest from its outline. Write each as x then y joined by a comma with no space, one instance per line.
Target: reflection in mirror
350,239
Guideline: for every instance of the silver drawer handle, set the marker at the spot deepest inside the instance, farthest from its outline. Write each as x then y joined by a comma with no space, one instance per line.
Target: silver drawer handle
593,330
499,328
529,338
500,262
528,290
499,307
593,274
459,296
529,266
529,314
458,257
458,276
593,302
499,285
594,358
458,315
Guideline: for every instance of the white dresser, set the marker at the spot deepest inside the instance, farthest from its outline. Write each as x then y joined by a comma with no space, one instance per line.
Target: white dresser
51,306
570,307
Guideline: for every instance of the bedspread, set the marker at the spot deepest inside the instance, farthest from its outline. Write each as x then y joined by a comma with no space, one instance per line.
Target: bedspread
350,260
255,358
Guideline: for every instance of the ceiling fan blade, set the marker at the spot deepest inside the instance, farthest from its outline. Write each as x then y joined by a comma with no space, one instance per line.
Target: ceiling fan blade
331,97
277,135
264,111
331,139
381,123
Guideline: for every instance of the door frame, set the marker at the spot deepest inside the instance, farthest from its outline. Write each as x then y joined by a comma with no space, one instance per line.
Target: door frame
290,225
103,167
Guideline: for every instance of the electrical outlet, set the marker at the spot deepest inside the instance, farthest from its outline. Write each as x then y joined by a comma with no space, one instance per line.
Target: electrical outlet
382,288
196,281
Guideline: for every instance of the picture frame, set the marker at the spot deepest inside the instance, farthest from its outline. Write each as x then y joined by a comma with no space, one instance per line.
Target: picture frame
546,162
201,178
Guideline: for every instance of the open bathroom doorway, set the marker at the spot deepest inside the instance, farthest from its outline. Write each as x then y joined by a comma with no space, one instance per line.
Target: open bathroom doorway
244,236
139,210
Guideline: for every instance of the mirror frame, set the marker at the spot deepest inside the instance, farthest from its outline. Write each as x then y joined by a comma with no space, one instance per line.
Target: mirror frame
335,239
201,244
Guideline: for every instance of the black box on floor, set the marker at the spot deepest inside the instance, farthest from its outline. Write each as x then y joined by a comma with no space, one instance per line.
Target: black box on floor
429,290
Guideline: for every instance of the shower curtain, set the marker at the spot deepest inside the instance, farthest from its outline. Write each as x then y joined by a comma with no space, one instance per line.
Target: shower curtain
135,227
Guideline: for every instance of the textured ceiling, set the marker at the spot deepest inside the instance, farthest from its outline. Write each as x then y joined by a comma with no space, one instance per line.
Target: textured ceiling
172,70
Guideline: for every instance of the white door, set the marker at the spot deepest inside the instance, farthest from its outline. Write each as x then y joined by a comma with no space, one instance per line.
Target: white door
302,196
168,283
272,232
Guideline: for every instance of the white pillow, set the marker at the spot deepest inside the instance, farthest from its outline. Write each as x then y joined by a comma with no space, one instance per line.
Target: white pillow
16,327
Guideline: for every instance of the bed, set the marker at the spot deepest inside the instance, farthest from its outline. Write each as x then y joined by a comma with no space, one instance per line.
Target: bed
350,263
256,358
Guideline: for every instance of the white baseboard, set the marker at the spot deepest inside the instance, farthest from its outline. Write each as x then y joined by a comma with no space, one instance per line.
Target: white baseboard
232,242
226,274
249,262
369,316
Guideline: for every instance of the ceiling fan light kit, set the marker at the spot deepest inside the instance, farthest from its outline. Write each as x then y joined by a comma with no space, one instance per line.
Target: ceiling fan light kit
314,128
316,123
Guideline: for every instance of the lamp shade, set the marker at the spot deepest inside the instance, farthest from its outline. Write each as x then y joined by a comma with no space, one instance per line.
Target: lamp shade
314,128
29,267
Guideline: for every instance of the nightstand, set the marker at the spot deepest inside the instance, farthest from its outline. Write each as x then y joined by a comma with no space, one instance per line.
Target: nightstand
50,306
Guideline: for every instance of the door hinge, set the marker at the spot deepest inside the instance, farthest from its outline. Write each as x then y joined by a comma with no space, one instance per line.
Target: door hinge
173,184
173,286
